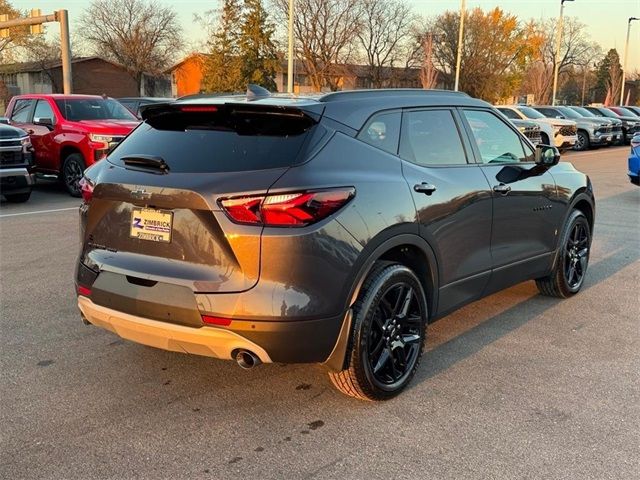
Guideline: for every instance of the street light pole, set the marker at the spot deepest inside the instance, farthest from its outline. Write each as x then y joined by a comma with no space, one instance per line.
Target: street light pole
556,66
290,60
626,51
460,37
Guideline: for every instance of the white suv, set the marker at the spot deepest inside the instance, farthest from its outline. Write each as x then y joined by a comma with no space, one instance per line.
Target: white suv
563,133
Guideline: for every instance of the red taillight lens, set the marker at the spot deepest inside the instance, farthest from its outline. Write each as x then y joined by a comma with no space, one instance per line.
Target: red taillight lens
225,322
84,291
296,209
198,109
86,189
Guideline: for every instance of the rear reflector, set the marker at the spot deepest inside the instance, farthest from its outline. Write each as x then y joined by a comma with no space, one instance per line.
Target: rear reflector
297,209
225,322
84,291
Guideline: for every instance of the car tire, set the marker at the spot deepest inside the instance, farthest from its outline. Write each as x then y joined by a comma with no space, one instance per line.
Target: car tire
72,170
572,259
583,142
17,197
389,330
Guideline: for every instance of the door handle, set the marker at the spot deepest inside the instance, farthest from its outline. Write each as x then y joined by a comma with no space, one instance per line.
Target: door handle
425,188
502,189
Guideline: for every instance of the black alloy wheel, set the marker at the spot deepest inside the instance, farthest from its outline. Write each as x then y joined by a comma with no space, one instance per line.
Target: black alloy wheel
72,171
389,329
576,255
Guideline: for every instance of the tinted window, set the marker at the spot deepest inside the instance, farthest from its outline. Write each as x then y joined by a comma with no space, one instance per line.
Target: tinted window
77,109
583,111
430,137
496,141
382,131
530,112
44,110
567,112
603,112
507,112
226,141
626,113
549,112
21,110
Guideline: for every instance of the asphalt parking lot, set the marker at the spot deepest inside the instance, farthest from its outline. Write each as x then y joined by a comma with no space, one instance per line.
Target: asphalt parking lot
514,386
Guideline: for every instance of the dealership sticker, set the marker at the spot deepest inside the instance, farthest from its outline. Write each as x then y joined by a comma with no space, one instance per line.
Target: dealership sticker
151,224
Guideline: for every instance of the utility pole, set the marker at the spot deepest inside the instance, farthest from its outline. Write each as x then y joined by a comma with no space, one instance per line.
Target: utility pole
626,51
290,60
556,66
35,21
460,37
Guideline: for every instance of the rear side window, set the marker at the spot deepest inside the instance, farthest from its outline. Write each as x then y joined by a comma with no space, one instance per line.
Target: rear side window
382,131
507,112
227,140
21,111
431,137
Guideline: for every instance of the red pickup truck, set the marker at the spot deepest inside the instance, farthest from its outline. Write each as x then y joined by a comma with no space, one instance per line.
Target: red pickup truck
70,132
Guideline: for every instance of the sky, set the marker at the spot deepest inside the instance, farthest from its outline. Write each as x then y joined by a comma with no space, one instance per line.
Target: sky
606,20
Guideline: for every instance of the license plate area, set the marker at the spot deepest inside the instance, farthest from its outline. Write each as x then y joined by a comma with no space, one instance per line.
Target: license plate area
151,224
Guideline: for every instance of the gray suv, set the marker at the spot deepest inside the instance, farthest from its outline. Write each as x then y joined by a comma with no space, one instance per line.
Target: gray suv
591,131
328,229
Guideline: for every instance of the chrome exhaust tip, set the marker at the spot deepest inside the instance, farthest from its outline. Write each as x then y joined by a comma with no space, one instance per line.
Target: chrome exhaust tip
247,359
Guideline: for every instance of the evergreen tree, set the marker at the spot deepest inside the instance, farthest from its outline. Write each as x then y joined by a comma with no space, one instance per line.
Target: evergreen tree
222,67
257,50
241,49
608,77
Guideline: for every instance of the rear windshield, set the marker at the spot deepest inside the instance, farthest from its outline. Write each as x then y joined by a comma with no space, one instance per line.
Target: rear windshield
228,140
78,109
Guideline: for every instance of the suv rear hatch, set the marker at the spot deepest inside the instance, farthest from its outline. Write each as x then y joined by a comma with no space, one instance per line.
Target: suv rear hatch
154,214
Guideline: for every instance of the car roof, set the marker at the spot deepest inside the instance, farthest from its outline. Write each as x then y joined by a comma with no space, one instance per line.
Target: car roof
353,107
57,96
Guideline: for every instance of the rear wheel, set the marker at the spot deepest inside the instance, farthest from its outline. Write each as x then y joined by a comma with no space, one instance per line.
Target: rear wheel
390,319
583,141
17,197
569,271
72,171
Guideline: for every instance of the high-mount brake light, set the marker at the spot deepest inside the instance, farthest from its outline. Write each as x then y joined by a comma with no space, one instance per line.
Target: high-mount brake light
198,108
86,189
296,209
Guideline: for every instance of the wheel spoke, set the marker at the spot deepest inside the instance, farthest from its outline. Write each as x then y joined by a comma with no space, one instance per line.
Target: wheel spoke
570,274
410,338
406,302
382,360
377,348
398,304
378,321
400,357
583,264
412,321
395,373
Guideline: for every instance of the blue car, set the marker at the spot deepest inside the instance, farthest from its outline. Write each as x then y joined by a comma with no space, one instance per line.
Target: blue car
634,160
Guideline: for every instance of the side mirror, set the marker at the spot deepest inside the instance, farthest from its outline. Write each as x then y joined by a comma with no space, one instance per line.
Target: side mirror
44,121
547,156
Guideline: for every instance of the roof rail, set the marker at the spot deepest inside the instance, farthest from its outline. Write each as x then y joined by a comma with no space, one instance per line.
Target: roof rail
387,92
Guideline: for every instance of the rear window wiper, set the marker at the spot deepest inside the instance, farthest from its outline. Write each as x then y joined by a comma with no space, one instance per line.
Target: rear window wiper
146,161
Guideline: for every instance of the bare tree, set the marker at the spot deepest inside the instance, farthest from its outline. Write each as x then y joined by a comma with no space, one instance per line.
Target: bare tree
326,35
575,50
386,25
141,35
428,70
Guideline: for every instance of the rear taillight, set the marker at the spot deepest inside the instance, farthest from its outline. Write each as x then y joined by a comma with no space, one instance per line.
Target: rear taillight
84,291
86,189
296,209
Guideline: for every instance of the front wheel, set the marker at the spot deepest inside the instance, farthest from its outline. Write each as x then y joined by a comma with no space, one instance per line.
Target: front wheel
567,276
72,171
583,141
390,319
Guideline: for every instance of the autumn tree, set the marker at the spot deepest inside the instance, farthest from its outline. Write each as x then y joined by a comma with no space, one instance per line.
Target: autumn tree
326,34
141,35
386,27
18,36
495,49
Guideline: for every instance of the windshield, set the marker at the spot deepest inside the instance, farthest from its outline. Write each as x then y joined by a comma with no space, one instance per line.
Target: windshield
567,112
530,112
605,112
77,109
583,111
625,112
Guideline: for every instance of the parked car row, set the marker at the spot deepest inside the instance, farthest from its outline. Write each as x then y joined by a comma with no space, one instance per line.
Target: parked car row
579,128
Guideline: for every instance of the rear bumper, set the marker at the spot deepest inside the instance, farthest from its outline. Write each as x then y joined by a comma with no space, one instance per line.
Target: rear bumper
207,341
